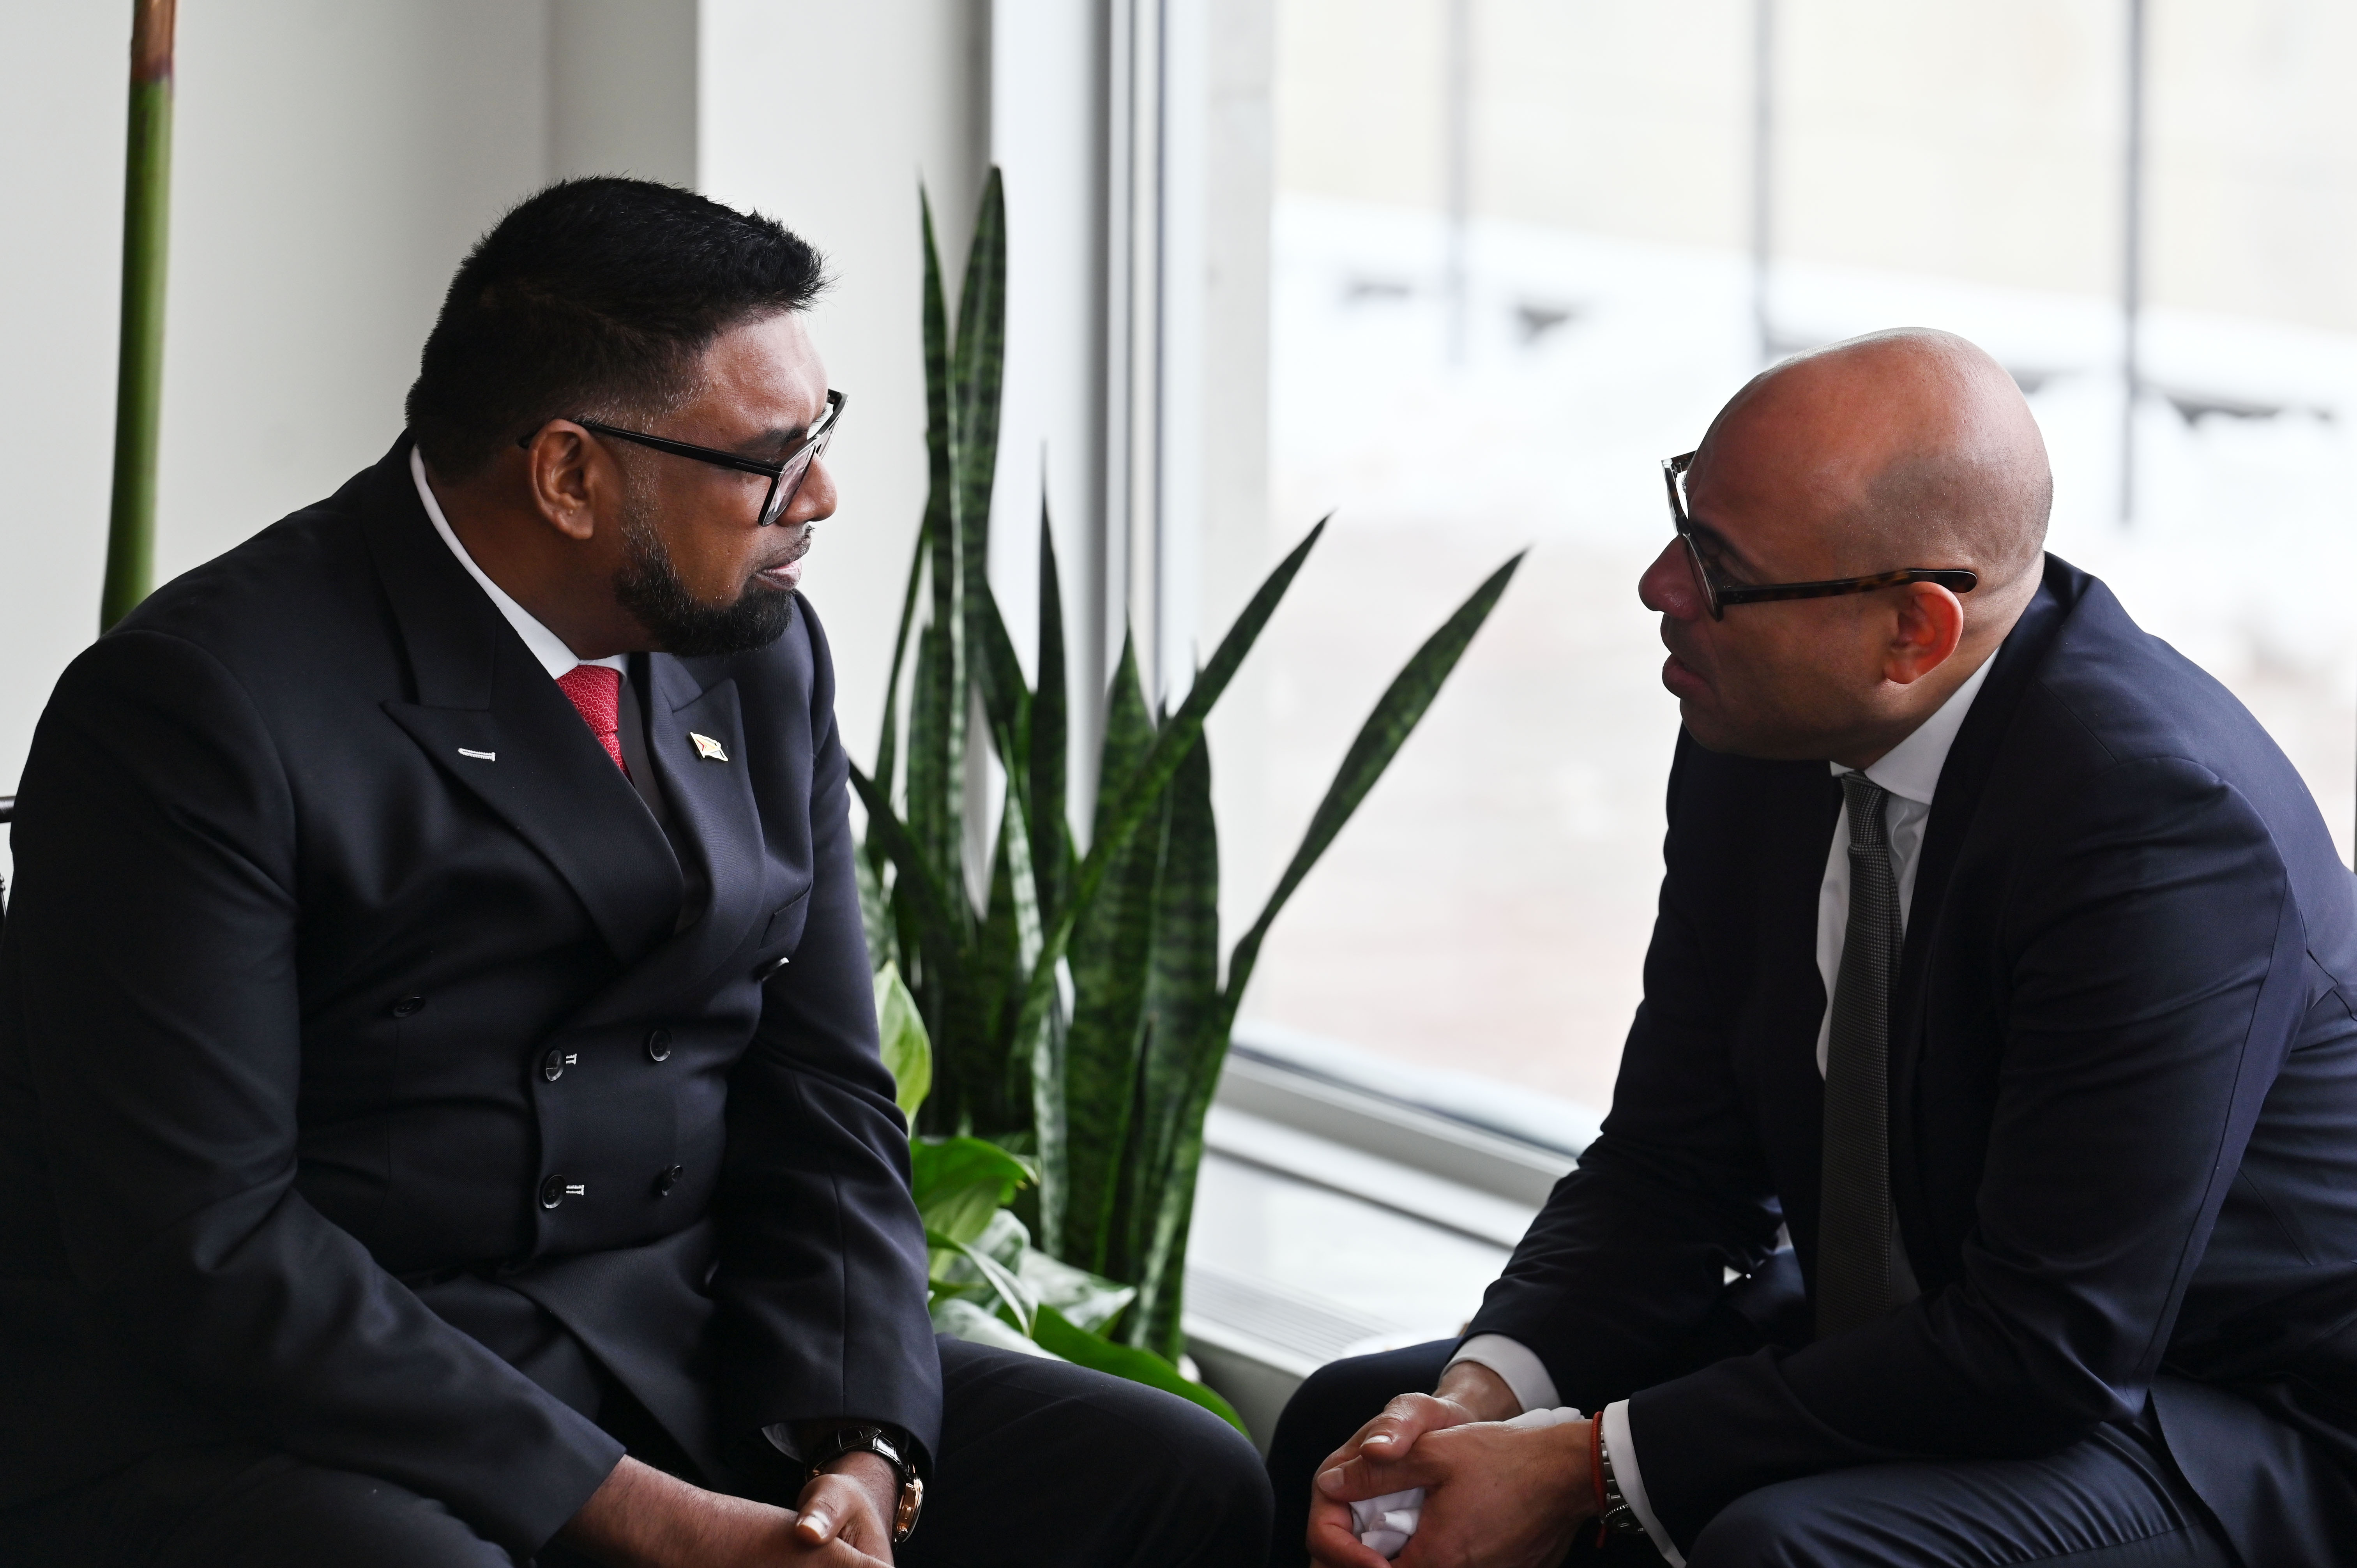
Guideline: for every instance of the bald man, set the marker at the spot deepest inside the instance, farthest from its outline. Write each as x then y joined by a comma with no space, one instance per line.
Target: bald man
1981,1181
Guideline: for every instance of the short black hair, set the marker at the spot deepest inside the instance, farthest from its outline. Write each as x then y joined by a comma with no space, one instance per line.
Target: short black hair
594,296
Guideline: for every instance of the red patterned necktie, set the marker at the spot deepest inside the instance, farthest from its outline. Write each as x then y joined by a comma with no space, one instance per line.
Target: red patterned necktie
597,690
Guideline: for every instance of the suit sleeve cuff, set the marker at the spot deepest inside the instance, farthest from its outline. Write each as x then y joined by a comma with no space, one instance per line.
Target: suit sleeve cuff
1622,1447
1520,1370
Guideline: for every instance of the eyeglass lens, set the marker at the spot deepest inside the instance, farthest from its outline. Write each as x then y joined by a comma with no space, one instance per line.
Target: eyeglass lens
787,485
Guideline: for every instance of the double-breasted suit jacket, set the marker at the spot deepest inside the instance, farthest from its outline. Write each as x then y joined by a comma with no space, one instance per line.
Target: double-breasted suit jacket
375,1084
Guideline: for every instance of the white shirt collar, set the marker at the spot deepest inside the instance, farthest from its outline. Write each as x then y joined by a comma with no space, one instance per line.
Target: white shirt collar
1910,769
545,645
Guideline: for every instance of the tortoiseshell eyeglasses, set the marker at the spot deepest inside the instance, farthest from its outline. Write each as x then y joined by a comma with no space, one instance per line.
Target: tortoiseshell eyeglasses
1718,594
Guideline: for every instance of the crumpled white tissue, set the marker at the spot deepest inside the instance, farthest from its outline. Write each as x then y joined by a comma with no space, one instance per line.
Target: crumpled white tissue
1384,1524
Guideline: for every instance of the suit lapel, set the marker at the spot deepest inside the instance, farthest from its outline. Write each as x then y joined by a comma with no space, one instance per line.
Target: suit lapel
491,720
1963,778
710,793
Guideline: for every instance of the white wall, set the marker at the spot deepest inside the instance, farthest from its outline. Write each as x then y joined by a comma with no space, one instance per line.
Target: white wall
827,116
333,162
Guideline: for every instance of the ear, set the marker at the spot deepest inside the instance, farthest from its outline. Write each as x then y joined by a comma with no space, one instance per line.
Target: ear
566,470
1929,625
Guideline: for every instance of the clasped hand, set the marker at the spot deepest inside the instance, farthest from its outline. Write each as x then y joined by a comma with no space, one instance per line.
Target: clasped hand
643,1519
1495,1497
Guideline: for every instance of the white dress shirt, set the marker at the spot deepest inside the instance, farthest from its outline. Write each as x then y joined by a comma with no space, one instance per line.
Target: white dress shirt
546,646
1910,771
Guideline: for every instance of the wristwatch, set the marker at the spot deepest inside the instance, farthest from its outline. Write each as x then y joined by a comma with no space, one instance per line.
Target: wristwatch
877,1440
1617,1516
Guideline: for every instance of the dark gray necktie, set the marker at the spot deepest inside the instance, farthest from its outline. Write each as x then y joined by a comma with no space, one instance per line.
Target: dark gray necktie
1862,1271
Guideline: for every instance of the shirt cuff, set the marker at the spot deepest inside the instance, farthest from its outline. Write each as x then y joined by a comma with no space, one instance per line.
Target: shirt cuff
1526,1376
1622,1447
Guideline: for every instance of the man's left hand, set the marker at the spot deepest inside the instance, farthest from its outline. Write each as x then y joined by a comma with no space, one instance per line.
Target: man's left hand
1498,1496
853,1501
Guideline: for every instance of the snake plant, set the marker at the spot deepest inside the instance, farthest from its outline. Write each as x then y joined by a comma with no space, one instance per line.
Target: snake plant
1078,1014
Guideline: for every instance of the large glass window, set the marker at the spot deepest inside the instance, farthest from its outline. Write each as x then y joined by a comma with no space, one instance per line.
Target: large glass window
1522,249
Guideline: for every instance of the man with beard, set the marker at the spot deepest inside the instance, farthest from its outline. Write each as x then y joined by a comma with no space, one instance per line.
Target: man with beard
2002,963
440,1113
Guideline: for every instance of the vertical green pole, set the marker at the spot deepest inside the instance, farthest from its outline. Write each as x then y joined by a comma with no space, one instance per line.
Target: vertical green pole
139,386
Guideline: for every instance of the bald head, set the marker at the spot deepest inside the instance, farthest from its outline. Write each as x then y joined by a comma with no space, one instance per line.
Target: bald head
1904,448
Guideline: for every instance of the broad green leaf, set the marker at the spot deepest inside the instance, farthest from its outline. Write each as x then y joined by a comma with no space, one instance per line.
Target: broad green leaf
1085,1350
908,1054
1111,948
1011,1292
1087,1300
960,1183
977,1325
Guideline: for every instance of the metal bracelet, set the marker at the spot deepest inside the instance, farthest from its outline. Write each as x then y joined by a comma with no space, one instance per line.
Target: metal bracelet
1619,1517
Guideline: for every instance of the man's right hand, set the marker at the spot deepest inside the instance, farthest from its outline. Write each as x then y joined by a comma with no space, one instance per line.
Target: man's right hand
1469,1392
643,1519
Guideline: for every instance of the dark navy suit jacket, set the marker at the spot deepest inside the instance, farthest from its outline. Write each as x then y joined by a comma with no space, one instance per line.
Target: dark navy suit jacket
358,1095
2123,1111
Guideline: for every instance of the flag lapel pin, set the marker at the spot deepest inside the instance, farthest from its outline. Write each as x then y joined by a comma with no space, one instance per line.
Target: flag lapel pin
707,747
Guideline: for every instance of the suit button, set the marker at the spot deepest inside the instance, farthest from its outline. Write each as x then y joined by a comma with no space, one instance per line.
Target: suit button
668,1178
408,1005
552,1192
658,1045
551,1066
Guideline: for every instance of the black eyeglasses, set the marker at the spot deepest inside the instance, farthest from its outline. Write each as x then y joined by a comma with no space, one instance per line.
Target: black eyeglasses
1719,595
785,475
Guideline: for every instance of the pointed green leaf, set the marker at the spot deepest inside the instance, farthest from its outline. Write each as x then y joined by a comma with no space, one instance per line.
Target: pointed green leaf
868,868
937,928
1182,996
887,745
1139,793
937,711
1395,715
1051,835
1109,953
977,373
935,778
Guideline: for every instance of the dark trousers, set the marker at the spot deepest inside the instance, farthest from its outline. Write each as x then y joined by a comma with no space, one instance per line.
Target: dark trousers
2114,1500
1041,1463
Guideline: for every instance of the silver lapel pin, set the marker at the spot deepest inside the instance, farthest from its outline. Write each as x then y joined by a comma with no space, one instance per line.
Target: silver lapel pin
707,747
